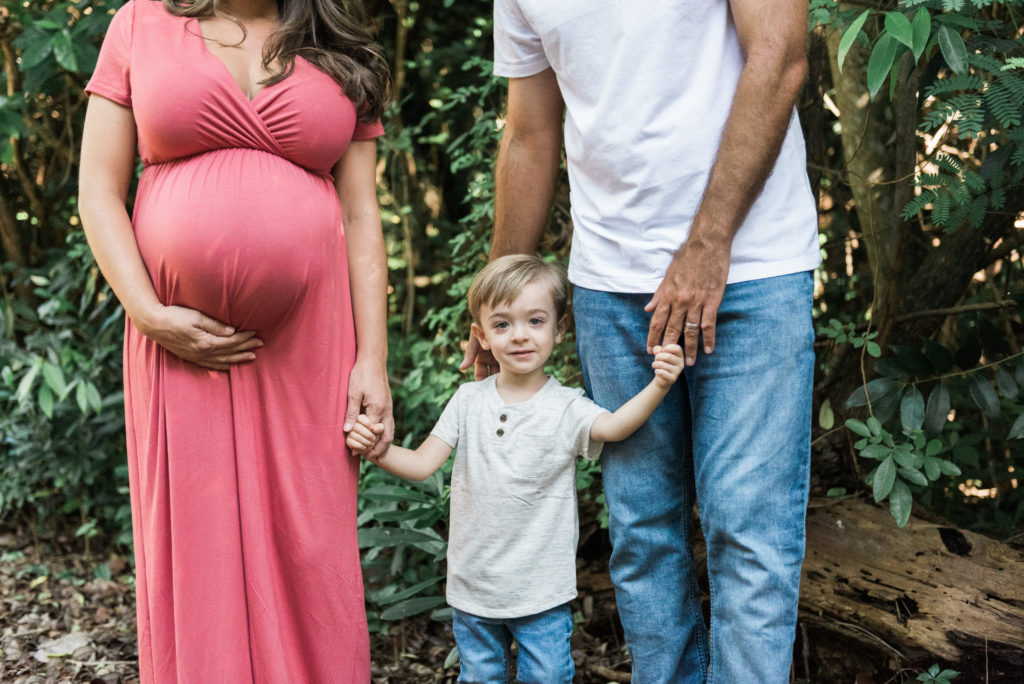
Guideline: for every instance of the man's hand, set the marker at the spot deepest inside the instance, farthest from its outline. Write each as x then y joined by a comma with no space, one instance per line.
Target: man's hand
668,364
482,360
686,302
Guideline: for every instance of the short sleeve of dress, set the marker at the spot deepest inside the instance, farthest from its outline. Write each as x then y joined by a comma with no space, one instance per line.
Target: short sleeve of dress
447,427
518,51
113,68
367,131
580,415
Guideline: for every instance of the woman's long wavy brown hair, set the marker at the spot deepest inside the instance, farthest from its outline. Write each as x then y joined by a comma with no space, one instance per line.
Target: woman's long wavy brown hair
324,33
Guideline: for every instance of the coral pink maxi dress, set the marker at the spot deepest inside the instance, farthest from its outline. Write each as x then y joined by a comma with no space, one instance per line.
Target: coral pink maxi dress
243,495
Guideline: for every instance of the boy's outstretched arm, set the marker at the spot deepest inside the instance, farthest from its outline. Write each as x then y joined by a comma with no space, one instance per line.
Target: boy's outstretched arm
615,427
405,463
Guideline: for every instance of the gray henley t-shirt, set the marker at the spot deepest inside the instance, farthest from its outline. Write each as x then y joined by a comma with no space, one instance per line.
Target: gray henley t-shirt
514,525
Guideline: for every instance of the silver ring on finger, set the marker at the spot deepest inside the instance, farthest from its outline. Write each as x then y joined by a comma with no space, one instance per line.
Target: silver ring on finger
692,326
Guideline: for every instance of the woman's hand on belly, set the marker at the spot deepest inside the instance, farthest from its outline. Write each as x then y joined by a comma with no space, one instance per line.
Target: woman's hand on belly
195,337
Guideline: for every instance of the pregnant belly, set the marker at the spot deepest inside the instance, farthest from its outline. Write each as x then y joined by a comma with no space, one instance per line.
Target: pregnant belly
240,235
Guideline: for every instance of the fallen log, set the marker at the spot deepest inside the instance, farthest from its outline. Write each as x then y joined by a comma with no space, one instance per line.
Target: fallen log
915,596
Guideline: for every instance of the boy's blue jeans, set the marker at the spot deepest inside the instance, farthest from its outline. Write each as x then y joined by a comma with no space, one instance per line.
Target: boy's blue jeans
734,432
543,656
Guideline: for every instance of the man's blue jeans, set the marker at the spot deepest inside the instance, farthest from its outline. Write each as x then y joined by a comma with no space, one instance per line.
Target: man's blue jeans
734,432
543,655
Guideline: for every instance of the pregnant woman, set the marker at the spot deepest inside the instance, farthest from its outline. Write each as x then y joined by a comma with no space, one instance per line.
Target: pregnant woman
253,274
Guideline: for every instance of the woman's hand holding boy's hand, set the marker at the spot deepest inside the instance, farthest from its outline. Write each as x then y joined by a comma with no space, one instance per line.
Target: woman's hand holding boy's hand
363,435
668,364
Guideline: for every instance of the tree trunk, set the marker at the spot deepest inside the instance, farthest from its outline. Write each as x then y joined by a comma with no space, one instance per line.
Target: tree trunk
879,146
913,597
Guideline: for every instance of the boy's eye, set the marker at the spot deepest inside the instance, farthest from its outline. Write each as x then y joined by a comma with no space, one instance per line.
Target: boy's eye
501,325
536,321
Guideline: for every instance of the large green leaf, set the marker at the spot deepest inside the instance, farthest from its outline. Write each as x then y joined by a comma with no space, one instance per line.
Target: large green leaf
879,452
913,475
858,427
54,377
412,607
1006,384
900,502
1017,430
395,494
880,62
391,536
912,409
984,396
64,50
36,51
937,410
410,591
898,26
875,390
922,28
885,476
846,42
953,49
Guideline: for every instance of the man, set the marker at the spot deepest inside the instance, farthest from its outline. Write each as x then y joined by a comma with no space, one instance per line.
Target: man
693,221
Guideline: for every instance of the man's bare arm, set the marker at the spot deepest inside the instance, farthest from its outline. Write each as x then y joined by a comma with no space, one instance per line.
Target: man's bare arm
772,35
531,147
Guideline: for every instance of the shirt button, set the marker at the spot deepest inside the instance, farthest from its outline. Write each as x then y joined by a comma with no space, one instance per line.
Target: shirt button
500,432
503,418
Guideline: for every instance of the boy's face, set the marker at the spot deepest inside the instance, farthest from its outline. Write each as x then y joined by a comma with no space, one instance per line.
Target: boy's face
522,333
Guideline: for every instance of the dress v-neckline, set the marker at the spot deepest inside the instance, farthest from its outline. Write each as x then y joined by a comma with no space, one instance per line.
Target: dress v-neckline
227,71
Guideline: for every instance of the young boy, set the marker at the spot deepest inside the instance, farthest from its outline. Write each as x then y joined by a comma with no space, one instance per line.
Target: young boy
514,527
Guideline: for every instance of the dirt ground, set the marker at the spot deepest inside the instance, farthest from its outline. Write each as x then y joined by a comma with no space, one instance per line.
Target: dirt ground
68,618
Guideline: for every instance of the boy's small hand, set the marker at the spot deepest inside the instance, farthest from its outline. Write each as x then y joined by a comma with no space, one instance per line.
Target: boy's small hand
668,364
363,435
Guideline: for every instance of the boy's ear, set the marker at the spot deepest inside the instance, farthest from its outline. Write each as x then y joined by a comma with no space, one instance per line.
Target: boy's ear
563,325
478,333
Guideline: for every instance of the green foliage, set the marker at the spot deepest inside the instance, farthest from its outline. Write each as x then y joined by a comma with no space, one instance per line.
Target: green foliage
914,440
842,333
61,410
940,424
936,675
969,57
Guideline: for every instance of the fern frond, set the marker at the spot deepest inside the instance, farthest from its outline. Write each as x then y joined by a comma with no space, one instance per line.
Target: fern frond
952,5
997,198
977,210
1015,144
937,117
1014,63
940,209
960,194
1005,98
931,180
948,164
917,204
981,61
972,116
974,181
955,83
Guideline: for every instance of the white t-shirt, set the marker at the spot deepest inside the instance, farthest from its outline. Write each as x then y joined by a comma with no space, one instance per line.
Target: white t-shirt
648,85
514,525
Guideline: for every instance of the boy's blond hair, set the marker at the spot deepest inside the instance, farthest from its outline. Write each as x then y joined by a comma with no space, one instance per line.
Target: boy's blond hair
503,279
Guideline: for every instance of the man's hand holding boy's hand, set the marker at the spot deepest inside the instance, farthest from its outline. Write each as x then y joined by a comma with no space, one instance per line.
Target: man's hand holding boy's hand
668,364
363,435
